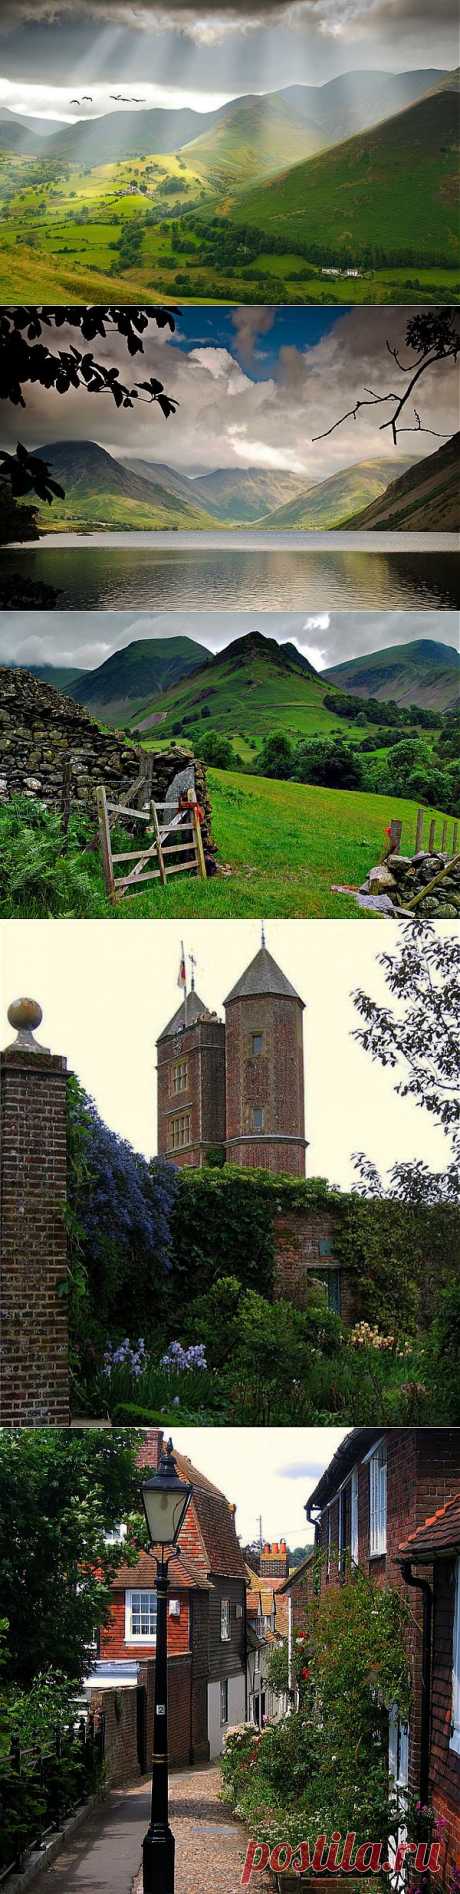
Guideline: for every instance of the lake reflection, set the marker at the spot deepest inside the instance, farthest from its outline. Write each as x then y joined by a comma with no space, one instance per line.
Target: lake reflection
124,572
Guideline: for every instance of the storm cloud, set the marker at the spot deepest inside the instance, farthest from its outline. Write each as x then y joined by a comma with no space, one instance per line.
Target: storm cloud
211,19
265,415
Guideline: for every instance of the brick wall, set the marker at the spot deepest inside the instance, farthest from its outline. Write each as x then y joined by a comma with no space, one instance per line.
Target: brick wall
304,1247
119,1709
202,1048
187,1722
272,1081
445,1764
423,1469
34,1387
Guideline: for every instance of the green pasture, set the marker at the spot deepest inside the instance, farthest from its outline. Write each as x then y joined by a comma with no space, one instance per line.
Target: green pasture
59,233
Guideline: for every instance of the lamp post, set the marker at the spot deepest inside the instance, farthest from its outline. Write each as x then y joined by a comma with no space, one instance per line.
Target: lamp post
166,1499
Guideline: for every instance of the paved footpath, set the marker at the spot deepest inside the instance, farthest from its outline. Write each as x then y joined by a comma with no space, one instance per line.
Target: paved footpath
105,1854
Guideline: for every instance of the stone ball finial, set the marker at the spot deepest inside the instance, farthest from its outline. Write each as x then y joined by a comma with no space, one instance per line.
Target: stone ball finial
25,1015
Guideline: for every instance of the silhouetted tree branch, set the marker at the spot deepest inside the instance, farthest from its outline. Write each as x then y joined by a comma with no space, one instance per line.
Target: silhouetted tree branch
27,357
431,337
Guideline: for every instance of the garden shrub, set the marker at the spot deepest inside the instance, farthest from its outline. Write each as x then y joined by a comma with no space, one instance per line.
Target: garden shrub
302,1776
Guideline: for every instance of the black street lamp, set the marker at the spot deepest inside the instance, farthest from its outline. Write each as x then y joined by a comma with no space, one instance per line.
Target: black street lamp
166,1499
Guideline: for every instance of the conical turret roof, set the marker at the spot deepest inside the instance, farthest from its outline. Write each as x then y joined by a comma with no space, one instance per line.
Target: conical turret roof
184,1017
263,976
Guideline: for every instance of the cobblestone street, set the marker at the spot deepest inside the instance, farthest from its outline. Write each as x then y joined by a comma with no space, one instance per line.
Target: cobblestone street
105,1854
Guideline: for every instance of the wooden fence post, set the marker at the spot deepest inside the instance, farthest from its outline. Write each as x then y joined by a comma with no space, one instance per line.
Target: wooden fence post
444,837
419,831
104,838
156,831
431,837
201,864
454,837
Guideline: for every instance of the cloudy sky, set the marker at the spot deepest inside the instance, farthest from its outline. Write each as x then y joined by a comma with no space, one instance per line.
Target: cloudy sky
275,1485
254,386
107,990
201,52
86,639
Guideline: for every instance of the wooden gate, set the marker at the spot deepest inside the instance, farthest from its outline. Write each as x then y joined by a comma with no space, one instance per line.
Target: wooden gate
151,863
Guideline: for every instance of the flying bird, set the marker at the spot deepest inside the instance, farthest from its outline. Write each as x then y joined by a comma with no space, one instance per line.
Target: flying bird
87,98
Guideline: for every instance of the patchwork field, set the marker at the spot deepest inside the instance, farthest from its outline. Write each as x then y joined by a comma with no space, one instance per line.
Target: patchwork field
180,223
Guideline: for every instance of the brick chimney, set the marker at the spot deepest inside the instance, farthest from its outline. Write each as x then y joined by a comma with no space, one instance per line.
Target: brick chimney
34,1372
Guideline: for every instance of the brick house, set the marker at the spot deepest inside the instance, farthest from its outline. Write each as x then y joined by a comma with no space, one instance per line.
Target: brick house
434,1550
377,1492
206,1621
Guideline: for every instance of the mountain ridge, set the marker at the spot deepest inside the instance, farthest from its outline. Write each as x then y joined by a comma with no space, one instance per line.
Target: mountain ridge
422,672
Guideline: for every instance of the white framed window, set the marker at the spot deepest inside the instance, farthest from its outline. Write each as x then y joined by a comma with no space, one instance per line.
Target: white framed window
328,1542
257,1118
224,1701
257,1044
455,1724
378,1501
354,1529
225,1620
140,1617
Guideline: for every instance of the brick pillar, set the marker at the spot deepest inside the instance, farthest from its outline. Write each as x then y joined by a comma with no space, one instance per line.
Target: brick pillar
34,1370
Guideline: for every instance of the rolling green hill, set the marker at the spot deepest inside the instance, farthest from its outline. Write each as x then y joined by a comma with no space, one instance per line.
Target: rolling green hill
125,682
423,672
389,192
427,496
100,491
330,502
256,137
249,690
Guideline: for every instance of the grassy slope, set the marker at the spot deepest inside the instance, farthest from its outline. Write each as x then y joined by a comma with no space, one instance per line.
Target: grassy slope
250,145
247,702
45,255
336,499
286,844
426,496
393,187
127,678
423,672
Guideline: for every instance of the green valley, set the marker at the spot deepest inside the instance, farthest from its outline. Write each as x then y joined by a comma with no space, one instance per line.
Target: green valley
362,172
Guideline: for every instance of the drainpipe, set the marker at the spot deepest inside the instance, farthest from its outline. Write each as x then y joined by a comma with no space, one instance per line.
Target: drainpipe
290,1663
422,1584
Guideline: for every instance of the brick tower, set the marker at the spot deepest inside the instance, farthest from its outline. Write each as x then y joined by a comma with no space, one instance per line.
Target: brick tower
191,1084
264,1070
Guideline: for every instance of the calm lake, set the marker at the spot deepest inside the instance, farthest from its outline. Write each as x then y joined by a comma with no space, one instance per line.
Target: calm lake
244,572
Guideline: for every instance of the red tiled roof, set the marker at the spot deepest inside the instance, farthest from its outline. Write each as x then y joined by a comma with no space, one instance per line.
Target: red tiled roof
217,1526
183,1574
440,1533
216,1521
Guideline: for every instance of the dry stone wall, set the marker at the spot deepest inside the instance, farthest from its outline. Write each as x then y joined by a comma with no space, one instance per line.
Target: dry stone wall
43,734
394,882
